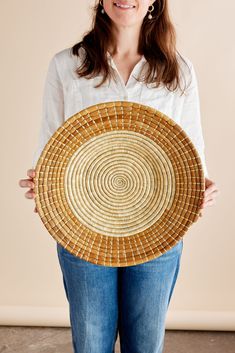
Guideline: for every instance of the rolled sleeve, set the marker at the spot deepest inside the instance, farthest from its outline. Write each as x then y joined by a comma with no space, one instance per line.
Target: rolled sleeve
191,118
52,108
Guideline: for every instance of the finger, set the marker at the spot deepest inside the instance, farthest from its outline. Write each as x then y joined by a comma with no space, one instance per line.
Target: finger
31,173
26,183
210,203
30,194
212,187
202,206
211,196
208,196
205,201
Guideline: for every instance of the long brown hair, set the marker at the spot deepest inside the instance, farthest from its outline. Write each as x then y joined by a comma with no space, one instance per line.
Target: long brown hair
157,42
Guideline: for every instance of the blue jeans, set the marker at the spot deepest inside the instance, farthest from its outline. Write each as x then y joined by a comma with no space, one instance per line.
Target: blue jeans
131,300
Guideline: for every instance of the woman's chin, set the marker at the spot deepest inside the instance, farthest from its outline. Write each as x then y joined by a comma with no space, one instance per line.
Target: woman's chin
125,20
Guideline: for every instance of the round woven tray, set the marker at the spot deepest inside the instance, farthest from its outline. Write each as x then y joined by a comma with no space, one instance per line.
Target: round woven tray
119,184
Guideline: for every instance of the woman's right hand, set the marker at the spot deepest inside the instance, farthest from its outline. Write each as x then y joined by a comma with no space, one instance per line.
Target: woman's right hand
29,183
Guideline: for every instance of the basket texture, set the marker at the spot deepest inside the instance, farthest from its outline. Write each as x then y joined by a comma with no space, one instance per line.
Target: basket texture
119,184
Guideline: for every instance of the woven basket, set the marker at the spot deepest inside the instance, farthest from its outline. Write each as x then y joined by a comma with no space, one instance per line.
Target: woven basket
119,184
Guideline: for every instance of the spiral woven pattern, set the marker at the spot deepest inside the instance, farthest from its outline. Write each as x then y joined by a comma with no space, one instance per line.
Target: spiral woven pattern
118,184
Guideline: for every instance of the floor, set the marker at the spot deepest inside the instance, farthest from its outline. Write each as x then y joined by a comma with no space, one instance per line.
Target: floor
22,339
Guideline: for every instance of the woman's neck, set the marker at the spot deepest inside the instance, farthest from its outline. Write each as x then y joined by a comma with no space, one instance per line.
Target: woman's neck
126,42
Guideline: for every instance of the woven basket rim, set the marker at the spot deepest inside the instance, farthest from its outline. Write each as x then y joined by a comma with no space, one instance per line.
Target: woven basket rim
141,246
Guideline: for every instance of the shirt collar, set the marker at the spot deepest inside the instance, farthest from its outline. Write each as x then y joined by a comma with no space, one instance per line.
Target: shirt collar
112,63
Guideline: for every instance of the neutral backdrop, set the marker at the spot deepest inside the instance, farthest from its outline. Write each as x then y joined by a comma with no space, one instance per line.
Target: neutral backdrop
32,291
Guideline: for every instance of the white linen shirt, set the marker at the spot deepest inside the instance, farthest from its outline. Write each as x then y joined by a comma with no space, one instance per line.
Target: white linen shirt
65,94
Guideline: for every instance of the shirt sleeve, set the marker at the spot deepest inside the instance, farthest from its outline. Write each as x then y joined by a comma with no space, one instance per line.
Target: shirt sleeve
191,118
52,108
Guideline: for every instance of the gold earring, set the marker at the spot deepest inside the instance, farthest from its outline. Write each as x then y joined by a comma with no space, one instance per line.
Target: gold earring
150,16
102,7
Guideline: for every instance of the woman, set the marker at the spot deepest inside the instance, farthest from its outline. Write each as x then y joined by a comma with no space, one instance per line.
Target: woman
127,39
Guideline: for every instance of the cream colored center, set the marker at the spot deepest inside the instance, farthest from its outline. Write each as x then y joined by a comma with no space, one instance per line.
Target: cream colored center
119,183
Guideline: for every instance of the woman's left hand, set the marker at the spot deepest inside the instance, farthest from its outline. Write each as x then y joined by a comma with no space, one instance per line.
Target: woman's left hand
211,191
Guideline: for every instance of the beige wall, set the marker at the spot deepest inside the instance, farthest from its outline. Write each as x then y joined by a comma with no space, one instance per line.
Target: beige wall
31,282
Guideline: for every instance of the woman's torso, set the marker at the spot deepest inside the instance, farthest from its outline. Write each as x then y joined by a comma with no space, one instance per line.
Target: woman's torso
79,92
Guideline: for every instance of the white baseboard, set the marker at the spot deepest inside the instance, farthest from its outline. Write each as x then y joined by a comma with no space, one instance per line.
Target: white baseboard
34,316
201,320
59,317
